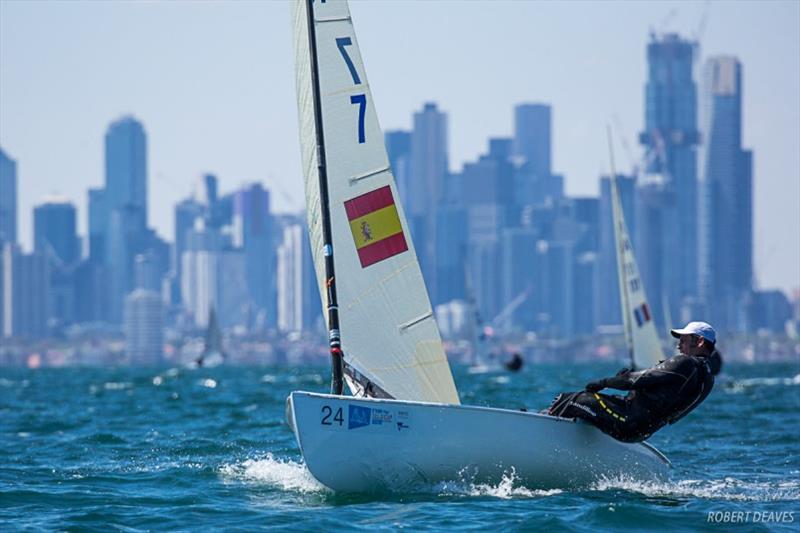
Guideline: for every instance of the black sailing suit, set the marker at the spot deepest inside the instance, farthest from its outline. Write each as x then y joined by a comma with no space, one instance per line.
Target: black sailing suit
658,396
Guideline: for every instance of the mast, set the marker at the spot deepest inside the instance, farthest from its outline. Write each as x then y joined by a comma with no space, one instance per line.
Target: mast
335,343
616,206
476,324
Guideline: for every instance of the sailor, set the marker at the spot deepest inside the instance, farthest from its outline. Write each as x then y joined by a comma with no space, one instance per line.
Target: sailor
657,396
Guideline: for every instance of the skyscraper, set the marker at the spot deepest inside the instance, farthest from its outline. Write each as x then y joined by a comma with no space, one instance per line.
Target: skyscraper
726,247
670,139
54,232
298,295
126,165
8,199
98,225
426,185
144,327
25,289
125,237
118,214
398,148
186,213
532,137
429,160
253,231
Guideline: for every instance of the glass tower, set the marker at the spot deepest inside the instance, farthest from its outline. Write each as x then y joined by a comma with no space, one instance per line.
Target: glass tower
670,140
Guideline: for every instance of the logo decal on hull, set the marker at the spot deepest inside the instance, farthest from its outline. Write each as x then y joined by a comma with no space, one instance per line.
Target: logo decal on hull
357,416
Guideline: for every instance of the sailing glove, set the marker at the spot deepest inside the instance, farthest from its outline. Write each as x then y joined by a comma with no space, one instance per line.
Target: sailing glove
596,386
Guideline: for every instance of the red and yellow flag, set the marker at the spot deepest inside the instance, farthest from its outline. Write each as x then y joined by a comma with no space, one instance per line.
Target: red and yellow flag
375,225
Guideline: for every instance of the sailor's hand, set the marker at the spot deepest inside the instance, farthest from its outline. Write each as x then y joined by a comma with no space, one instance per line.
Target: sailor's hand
595,386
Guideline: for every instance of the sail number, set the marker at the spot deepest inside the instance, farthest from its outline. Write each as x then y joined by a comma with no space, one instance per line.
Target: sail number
357,99
327,411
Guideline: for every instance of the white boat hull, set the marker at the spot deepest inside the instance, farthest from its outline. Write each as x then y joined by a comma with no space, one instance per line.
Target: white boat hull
366,445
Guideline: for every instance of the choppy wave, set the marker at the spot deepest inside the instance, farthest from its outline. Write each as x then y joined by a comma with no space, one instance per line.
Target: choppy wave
508,487
726,489
741,385
282,474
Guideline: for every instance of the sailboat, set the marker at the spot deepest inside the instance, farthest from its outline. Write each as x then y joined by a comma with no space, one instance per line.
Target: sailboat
403,425
480,362
641,339
213,354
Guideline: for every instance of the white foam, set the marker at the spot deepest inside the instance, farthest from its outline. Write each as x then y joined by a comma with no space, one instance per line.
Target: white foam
209,383
505,489
112,385
759,382
742,385
283,474
729,489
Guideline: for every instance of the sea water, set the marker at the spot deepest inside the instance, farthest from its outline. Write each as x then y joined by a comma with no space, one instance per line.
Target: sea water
142,449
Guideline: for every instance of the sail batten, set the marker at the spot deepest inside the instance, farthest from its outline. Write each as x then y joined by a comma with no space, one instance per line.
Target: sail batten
379,284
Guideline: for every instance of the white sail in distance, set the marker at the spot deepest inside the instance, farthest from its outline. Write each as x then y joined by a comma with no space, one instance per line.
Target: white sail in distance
640,330
388,330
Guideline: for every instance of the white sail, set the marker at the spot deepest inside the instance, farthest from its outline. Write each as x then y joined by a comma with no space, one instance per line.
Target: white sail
387,326
640,331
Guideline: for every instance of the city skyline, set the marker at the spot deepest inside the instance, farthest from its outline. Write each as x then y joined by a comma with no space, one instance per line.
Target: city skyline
266,150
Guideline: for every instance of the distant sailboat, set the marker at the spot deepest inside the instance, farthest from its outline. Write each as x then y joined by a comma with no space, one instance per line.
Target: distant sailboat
404,424
213,354
641,339
480,362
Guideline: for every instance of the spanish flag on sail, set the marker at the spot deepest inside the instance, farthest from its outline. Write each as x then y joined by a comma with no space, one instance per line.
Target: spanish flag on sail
375,225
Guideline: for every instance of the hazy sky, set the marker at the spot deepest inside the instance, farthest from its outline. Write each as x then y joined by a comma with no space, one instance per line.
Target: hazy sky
213,84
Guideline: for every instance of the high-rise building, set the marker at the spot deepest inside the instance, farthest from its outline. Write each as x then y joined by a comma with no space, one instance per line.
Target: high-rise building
215,279
54,232
298,295
8,199
98,225
451,253
144,327
670,140
429,160
520,272
490,179
532,137
146,273
585,282
398,148
726,245
126,165
426,185
253,231
91,284
25,290
534,181
654,240
125,238
186,213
